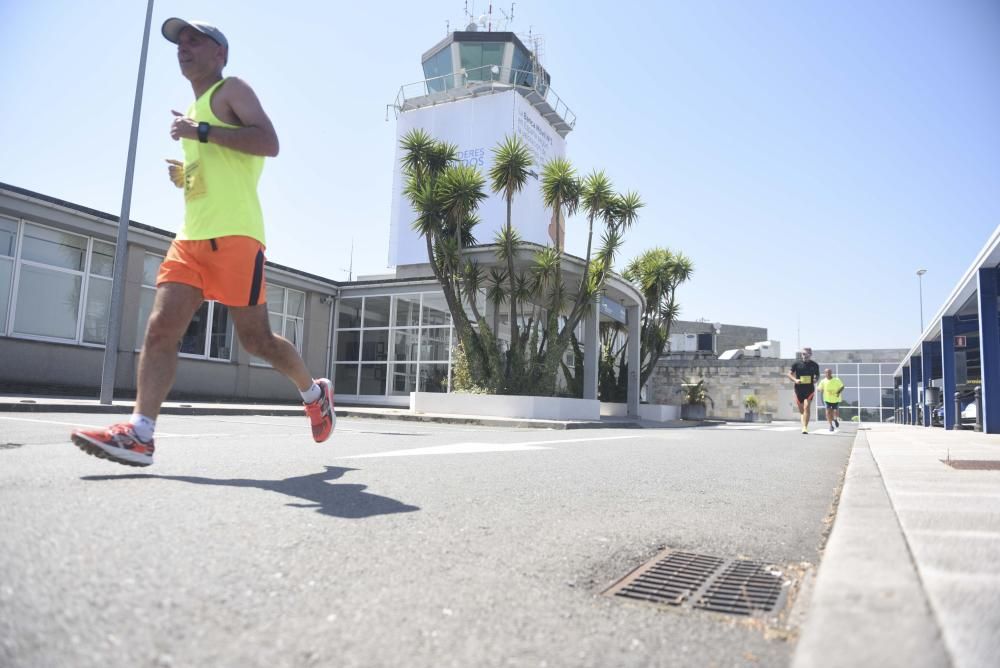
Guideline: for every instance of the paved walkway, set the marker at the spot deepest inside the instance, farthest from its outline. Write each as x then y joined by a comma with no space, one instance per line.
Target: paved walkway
911,573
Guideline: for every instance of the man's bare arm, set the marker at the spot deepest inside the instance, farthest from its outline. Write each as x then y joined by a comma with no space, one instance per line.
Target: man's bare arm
256,136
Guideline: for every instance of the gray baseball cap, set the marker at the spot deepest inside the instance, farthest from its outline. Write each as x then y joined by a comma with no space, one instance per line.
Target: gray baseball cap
172,29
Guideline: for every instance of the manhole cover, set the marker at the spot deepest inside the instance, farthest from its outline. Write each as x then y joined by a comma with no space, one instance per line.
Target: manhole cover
974,464
668,579
733,586
743,588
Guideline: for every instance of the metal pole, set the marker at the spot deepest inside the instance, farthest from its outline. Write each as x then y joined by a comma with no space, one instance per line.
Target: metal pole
118,280
920,283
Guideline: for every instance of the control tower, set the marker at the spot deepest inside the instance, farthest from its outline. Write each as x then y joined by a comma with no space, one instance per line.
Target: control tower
479,87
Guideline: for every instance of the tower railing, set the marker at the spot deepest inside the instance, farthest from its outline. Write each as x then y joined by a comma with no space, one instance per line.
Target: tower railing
487,80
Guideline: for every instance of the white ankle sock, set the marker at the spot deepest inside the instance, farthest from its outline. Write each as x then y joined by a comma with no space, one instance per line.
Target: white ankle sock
144,427
312,394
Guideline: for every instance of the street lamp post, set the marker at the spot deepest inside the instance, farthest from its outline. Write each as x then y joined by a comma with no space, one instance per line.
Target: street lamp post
920,282
110,365
717,326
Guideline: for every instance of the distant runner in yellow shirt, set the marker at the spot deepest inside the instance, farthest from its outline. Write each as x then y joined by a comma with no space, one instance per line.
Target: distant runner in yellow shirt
832,387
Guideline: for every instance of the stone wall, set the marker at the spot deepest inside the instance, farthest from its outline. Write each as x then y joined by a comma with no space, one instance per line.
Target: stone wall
728,382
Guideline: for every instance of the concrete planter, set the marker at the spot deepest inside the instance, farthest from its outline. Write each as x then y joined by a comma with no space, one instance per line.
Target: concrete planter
496,405
651,412
693,412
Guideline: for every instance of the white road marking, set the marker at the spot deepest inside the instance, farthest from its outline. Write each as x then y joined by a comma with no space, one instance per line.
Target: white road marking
86,426
470,448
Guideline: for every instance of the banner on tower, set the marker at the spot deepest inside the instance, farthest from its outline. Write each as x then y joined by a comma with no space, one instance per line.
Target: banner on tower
477,125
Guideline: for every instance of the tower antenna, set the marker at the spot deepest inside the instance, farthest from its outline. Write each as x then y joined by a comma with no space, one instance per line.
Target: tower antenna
508,18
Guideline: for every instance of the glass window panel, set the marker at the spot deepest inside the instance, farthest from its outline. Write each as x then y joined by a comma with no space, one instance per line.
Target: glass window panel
871,415
373,378
296,303
375,345
95,315
146,297
868,368
886,414
405,345
150,268
433,377
377,311
48,303
220,347
871,397
849,380
59,249
348,346
434,344
887,397
888,381
275,299
102,259
346,379
293,332
478,56
847,368
850,396
869,381
847,413
889,368
439,65
407,310
8,236
435,310
349,312
404,379
6,279
193,341
521,64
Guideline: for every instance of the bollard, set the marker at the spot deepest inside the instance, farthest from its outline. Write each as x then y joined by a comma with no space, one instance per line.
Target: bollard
978,394
958,411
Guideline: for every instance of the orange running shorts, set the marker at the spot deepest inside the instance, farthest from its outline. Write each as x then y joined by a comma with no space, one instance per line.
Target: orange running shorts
229,270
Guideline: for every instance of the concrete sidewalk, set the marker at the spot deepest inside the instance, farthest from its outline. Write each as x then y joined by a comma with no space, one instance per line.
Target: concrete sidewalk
911,573
56,404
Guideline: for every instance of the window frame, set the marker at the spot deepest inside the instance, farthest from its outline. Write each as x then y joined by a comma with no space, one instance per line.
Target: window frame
85,275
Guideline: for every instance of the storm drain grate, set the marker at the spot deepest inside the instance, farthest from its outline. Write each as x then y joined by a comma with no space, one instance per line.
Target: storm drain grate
973,464
743,588
668,579
733,586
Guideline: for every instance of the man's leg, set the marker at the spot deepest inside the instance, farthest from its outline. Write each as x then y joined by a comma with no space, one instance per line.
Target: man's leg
805,414
131,442
173,309
255,334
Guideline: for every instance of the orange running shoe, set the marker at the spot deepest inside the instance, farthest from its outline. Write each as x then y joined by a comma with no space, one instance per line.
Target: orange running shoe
118,443
320,412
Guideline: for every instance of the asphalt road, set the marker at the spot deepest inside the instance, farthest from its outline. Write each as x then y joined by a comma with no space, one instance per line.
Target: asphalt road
395,543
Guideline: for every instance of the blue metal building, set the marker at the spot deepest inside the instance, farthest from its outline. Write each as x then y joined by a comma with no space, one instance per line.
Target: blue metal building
951,375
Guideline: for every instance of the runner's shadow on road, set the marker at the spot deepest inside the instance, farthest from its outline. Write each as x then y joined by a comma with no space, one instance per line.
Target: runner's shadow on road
339,500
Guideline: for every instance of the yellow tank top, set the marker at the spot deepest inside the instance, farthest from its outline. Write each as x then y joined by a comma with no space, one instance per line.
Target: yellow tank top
220,184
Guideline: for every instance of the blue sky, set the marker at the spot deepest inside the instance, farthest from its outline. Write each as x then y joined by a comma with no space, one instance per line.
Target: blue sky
809,156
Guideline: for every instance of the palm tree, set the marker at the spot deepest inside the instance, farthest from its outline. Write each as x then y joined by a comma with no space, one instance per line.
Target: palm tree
657,273
511,162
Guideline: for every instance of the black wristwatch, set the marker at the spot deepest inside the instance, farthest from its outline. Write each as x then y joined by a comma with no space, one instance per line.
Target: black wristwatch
203,129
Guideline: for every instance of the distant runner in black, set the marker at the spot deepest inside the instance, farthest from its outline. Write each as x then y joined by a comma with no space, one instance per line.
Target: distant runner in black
804,373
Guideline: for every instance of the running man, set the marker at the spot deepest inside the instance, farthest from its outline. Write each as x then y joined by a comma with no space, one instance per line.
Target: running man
218,253
831,387
804,374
